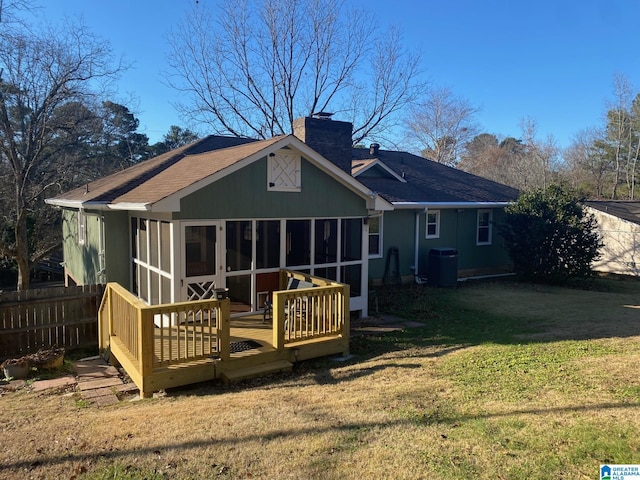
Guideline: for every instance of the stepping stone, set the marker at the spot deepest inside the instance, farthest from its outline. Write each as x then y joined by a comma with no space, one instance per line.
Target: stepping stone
59,382
96,371
105,400
99,383
126,388
98,392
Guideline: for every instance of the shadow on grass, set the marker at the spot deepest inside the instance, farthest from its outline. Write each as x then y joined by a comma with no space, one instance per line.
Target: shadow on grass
156,449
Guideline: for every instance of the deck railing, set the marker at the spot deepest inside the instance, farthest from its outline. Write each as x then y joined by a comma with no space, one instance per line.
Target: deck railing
147,337
319,310
153,342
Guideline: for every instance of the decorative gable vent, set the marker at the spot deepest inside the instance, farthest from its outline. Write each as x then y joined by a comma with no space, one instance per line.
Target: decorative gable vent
283,172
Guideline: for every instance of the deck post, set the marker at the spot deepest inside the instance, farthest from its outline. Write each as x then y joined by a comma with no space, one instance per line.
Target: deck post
278,321
346,323
104,315
146,346
224,327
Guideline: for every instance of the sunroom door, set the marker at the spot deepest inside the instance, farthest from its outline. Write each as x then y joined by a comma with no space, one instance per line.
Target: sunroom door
201,268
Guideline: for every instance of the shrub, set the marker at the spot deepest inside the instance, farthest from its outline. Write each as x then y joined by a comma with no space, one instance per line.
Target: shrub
549,235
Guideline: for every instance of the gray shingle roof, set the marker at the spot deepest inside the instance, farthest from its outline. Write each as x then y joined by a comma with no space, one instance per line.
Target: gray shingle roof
428,181
161,176
627,210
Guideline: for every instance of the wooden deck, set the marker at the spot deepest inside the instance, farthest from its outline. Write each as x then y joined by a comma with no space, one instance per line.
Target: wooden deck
164,346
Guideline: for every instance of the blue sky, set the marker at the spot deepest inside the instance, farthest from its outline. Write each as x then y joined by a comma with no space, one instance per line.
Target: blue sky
550,60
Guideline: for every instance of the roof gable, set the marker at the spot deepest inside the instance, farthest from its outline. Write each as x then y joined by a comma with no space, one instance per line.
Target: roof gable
158,184
373,168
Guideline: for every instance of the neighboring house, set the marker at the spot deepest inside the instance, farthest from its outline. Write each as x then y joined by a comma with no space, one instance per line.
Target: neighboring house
619,226
229,212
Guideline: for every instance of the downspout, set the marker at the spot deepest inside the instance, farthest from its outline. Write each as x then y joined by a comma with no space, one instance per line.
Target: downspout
102,272
416,249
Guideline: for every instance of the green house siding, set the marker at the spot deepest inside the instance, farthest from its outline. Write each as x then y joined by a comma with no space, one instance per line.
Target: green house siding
117,244
397,231
458,230
82,262
243,194
475,258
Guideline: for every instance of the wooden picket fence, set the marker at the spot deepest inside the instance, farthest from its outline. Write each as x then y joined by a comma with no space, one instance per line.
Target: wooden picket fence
37,319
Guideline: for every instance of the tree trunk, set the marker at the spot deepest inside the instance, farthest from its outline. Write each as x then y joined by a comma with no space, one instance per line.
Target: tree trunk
22,247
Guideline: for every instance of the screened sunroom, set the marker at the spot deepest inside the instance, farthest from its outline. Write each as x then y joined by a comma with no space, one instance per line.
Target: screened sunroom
174,261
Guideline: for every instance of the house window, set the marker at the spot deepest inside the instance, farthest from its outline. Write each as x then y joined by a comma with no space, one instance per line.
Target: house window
485,218
82,228
239,245
298,247
267,243
326,241
199,250
283,172
433,224
375,237
351,239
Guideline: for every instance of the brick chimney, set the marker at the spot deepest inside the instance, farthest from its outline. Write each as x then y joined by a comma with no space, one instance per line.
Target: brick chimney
330,138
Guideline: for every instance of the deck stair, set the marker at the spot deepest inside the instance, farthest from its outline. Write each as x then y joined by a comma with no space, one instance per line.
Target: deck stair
253,371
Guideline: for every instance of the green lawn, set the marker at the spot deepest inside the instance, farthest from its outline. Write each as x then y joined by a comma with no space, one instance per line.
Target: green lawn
502,381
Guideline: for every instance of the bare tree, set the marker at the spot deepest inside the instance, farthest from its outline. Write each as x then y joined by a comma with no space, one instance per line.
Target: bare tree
251,67
526,163
441,125
588,167
9,12
539,163
618,126
43,76
498,160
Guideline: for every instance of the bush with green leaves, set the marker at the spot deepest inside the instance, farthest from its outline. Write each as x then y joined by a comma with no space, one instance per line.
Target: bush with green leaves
549,235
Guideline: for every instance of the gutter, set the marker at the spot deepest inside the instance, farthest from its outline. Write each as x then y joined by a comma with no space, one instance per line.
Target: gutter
101,206
444,205
77,204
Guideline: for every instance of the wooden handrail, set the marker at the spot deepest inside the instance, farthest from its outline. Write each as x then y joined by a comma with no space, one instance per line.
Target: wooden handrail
155,336
306,313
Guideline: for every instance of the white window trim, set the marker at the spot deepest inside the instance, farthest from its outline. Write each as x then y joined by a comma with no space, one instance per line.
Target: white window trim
426,228
379,234
488,227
